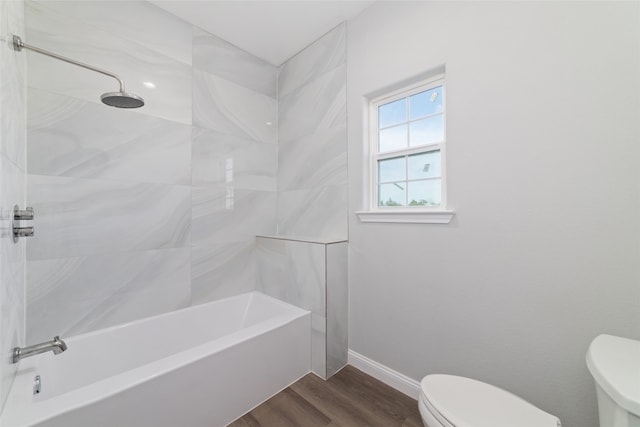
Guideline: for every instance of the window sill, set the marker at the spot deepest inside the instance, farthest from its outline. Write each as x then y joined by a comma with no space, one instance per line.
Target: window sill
404,217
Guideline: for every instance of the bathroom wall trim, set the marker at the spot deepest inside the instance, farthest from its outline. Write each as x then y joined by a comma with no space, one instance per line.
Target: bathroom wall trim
412,217
392,378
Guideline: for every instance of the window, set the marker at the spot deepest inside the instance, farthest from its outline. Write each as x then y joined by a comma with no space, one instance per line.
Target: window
407,150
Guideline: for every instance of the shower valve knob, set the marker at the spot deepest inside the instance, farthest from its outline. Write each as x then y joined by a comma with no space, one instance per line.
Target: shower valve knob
18,216
23,231
25,215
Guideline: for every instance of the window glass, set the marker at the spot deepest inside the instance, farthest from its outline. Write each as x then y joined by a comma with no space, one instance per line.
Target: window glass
392,113
393,194
392,169
394,138
425,193
425,103
424,165
427,131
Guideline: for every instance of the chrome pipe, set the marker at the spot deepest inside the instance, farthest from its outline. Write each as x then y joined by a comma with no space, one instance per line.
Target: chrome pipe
18,45
56,345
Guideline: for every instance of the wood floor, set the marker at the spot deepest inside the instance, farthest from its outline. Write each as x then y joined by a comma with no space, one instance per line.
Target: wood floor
350,398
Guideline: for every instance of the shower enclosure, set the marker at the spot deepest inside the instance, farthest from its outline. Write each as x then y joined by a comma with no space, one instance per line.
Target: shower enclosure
144,212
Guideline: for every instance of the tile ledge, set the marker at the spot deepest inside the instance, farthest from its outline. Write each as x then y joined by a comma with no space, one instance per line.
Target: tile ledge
404,217
317,240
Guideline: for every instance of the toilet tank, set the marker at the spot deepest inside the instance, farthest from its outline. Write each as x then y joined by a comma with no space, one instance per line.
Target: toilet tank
614,363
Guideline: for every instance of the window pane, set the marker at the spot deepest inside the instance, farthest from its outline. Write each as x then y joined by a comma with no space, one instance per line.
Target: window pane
392,169
427,131
392,113
425,103
425,193
424,165
392,194
393,138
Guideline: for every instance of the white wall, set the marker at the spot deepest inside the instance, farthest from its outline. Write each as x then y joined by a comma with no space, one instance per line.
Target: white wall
543,147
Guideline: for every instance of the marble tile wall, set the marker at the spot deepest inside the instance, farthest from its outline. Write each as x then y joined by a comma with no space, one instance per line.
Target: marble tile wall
311,275
12,189
111,188
337,306
234,165
140,212
311,272
108,42
312,152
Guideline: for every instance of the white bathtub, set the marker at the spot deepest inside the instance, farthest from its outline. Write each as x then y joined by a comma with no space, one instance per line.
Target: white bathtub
201,366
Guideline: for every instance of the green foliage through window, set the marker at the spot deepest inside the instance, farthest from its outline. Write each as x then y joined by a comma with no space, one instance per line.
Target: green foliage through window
391,203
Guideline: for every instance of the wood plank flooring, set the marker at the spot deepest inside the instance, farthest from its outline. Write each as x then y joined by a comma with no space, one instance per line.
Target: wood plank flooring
350,398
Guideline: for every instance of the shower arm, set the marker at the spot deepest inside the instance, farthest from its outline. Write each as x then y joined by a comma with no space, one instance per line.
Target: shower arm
18,45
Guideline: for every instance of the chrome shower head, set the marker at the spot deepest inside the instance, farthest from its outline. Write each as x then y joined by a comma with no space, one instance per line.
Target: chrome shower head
122,100
119,99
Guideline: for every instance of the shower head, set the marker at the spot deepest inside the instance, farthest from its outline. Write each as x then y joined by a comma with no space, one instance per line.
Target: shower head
119,99
122,100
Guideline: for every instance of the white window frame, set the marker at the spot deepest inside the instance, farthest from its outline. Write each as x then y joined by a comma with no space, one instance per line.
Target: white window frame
404,214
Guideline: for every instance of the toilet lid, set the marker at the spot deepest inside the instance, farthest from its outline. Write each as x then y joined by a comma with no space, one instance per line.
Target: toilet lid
464,402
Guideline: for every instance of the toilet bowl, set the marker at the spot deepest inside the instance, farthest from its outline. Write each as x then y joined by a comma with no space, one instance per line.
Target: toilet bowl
452,401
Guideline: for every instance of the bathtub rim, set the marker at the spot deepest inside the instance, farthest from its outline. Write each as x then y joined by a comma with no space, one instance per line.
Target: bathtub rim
177,312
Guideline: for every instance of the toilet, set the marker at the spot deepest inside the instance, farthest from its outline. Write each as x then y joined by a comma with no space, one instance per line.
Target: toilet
452,401
614,363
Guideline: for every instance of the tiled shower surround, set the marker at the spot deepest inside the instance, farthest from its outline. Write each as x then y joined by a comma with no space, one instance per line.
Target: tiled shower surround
312,138
311,275
12,190
140,212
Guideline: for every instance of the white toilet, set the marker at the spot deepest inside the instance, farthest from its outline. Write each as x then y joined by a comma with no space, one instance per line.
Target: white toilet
614,363
451,401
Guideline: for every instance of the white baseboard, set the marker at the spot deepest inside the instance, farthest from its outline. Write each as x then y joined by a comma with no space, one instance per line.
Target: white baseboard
394,379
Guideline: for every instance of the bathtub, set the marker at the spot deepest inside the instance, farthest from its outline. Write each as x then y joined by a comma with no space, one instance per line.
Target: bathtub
201,366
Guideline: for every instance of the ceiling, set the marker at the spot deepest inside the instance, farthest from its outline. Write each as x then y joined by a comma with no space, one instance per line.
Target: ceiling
271,30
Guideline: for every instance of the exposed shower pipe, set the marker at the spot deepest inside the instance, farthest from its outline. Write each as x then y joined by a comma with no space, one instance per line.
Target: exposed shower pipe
120,99
18,45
